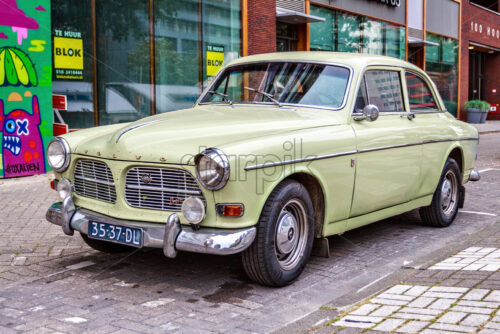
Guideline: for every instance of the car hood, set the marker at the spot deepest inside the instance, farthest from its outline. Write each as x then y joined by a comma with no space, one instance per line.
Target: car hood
175,137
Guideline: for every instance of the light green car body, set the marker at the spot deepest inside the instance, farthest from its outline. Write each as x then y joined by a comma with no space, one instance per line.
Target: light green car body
357,172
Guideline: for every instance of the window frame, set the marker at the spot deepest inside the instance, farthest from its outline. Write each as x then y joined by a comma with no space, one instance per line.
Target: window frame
402,84
430,86
327,63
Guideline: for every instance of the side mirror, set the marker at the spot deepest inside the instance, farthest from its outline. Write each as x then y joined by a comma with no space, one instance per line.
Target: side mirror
370,113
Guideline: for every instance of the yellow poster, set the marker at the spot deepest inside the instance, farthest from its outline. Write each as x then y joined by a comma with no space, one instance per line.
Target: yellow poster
215,59
68,53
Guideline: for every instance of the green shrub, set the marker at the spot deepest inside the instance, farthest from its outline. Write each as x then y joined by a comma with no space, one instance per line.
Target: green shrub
473,104
485,106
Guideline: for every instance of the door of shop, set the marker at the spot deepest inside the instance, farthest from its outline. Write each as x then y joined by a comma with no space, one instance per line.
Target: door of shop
476,75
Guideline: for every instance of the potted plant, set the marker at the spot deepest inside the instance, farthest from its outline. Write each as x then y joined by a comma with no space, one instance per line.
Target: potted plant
474,112
485,108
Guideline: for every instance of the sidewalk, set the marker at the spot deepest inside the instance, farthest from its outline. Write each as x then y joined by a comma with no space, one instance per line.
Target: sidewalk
455,294
488,127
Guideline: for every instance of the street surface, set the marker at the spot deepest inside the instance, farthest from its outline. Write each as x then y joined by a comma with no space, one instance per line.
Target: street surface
50,282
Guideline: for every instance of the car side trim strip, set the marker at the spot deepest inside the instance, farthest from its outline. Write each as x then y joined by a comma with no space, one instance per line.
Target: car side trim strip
306,159
334,155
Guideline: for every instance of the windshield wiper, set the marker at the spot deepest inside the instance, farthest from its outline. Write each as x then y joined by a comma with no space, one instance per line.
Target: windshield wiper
224,96
269,96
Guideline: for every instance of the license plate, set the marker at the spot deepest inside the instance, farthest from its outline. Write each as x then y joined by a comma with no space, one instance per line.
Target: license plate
124,235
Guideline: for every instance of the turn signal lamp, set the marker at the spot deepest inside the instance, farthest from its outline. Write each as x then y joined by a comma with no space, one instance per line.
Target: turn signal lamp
230,210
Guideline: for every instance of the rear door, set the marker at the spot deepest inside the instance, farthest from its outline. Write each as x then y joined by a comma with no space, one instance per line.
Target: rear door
388,162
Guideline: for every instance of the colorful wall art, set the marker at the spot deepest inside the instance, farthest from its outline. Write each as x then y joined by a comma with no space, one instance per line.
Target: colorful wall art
25,87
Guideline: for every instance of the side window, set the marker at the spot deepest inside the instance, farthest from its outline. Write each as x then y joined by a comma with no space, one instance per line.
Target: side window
384,90
361,98
419,94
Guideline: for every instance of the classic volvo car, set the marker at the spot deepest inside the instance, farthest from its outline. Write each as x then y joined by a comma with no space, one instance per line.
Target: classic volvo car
279,151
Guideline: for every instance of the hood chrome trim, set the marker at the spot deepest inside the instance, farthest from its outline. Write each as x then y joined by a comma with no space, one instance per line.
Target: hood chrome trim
136,126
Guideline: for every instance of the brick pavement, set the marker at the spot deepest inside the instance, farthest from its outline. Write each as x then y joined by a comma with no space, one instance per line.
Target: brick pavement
50,282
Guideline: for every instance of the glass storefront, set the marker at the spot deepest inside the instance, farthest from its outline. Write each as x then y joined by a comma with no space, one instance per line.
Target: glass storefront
441,63
191,41
346,32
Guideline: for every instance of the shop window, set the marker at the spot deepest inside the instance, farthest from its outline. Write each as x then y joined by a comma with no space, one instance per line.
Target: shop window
346,32
123,61
384,90
441,63
419,94
488,4
73,75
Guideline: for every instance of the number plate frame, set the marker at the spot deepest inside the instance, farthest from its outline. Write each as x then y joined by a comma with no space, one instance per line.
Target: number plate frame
130,236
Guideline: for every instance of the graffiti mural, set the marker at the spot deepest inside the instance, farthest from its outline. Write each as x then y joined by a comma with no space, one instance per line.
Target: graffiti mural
25,86
22,142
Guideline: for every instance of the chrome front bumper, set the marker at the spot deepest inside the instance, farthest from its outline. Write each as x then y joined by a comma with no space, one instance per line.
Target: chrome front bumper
172,236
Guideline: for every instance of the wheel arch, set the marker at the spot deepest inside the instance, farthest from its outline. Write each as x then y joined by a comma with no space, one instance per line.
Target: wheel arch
456,152
317,194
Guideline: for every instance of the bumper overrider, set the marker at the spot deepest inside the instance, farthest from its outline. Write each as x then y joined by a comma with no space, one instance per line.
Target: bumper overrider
171,237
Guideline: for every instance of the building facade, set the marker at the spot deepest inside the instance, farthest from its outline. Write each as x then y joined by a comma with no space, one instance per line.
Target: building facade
480,50
119,61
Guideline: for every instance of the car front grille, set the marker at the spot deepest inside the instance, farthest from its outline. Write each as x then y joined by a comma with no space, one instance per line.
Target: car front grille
160,188
94,179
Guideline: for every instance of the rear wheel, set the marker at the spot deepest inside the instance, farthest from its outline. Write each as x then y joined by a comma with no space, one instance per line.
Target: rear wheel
104,246
446,199
284,237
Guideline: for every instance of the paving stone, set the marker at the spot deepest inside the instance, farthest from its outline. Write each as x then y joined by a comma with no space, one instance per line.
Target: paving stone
389,301
416,290
413,316
389,325
475,294
494,296
420,311
421,302
452,317
475,320
478,304
442,304
469,309
358,321
365,309
384,311
413,326
494,325
455,328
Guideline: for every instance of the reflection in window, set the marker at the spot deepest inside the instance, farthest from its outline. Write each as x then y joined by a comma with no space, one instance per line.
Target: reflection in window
353,33
288,83
123,60
419,94
384,90
441,63
73,18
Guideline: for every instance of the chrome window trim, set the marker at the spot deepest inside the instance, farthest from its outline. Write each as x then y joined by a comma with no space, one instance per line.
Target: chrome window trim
398,67
344,100
340,154
432,88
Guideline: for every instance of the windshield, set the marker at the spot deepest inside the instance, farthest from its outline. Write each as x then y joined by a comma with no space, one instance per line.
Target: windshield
281,83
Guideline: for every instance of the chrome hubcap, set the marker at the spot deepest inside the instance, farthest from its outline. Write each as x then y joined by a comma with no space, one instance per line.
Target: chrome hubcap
449,193
286,233
291,234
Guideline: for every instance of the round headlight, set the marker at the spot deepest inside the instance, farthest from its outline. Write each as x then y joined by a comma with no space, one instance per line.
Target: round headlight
193,210
58,154
64,188
212,168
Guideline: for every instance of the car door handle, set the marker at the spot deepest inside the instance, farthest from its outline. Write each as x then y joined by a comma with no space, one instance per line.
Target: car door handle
409,115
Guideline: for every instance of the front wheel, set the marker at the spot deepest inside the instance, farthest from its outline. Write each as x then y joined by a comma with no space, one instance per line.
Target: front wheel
285,233
445,202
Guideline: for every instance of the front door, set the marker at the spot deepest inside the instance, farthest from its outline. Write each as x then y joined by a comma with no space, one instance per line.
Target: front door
388,162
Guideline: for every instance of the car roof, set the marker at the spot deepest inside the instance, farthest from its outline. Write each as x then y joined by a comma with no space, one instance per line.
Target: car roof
355,60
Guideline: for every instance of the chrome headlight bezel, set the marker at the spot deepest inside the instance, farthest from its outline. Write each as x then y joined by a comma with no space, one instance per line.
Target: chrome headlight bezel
66,152
221,160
